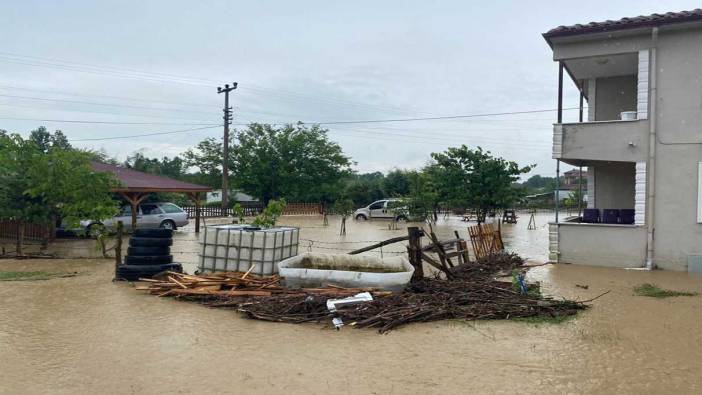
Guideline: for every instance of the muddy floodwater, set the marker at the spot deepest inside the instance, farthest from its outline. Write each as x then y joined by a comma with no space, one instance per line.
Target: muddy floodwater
85,334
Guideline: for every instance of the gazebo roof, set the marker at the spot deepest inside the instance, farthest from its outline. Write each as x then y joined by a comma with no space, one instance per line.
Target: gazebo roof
137,181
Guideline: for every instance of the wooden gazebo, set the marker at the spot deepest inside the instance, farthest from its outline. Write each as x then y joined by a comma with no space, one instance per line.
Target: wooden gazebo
136,185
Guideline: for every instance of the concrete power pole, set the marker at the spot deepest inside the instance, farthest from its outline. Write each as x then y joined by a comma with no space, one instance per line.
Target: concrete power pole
225,143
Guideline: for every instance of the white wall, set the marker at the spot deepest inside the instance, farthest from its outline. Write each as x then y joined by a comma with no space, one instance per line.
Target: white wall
615,184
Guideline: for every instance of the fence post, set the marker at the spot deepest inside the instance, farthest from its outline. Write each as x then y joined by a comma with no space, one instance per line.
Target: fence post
415,252
118,245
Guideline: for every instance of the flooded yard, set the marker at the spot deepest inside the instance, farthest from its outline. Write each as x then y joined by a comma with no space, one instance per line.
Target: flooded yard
85,334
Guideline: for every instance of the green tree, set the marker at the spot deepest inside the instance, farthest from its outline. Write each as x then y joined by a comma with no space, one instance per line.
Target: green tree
39,186
297,162
344,208
45,140
207,158
270,214
397,183
422,200
364,189
478,179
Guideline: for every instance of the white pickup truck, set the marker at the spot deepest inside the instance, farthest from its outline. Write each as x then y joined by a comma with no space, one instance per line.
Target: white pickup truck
379,209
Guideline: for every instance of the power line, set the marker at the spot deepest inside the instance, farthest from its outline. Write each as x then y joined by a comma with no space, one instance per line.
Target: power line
102,104
109,97
146,134
105,122
494,114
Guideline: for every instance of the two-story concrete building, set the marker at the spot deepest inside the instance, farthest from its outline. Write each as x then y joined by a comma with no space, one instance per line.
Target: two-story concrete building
640,139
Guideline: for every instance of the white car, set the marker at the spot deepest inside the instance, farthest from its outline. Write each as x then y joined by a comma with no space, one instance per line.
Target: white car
379,209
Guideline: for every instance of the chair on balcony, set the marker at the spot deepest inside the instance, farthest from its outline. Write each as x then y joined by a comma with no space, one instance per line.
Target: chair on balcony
591,215
626,216
610,216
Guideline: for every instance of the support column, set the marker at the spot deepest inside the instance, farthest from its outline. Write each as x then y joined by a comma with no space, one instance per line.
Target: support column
134,198
559,121
580,187
195,197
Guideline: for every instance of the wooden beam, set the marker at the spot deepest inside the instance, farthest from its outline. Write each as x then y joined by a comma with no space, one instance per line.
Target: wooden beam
378,245
134,198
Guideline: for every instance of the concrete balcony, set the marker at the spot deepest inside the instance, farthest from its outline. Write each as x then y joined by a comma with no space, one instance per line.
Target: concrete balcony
625,141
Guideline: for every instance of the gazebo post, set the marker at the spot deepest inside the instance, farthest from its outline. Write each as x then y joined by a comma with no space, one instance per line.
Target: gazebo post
134,199
195,197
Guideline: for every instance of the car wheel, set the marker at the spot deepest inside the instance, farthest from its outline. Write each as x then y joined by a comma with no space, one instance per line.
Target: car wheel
168,224
401,218
361,217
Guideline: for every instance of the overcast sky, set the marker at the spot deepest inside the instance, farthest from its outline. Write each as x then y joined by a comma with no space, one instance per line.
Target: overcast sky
160,62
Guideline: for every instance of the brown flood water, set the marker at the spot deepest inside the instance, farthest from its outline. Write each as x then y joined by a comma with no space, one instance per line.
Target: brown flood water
86,334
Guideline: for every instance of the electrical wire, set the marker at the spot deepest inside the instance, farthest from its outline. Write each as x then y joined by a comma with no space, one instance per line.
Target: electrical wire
105,122
146,134
103,104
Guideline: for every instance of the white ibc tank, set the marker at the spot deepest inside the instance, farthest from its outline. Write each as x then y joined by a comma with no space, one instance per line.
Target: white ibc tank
238,247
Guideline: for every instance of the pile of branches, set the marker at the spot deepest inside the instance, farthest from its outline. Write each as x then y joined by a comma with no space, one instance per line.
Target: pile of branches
472,293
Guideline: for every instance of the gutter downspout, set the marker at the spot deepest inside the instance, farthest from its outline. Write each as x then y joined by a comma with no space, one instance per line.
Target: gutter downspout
651,184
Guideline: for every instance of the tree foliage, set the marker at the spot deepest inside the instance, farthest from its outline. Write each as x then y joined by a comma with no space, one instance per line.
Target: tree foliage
41,179
478,180
297,162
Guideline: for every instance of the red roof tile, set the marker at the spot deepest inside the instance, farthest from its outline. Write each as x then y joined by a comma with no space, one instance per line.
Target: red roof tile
133,180
626,23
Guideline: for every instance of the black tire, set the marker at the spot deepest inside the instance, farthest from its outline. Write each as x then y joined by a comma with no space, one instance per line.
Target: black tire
361,217
168,224
142,251
134,272
149,242
157,233
148,260
401,218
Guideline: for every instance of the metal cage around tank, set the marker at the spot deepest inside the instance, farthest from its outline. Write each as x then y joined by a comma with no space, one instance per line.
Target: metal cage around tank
239,247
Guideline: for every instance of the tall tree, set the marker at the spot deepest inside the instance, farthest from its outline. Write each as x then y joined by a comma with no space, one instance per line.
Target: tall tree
39,186
45,140
297,162
397,183
478,179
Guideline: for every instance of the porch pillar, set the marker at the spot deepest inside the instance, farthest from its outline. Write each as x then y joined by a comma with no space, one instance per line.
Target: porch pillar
560,120
582,97
580,174
560,92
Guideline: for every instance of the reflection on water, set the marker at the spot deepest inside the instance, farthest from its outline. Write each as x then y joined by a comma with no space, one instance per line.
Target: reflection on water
88,335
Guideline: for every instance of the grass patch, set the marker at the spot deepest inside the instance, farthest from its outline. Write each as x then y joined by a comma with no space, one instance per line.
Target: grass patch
545,319
31,276
654,291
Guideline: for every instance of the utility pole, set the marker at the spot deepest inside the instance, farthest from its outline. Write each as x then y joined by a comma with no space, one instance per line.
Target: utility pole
225,143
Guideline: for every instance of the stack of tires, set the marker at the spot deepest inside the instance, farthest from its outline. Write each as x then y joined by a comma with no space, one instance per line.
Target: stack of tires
149,253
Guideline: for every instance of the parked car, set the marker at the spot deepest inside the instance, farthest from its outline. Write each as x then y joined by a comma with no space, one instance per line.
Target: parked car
380,209
151,215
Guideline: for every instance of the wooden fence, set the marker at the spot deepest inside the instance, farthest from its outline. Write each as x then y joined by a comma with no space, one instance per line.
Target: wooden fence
254,208
36,232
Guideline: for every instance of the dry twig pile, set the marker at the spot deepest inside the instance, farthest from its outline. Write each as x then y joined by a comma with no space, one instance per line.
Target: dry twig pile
472,293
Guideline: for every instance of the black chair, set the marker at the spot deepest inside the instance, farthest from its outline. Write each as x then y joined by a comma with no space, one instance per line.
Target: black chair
610,216
591,215
626,216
